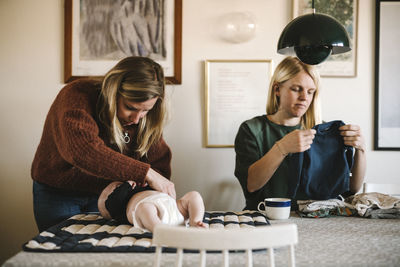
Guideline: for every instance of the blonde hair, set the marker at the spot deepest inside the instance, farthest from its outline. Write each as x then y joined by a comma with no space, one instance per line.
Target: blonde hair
136,79
286,70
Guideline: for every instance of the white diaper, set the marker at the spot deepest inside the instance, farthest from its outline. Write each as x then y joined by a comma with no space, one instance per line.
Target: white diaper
166,205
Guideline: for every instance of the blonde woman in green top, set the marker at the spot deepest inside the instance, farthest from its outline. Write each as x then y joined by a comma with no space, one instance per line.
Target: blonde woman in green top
263,143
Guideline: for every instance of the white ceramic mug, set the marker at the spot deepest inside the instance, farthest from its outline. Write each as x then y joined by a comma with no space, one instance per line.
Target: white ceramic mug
275,208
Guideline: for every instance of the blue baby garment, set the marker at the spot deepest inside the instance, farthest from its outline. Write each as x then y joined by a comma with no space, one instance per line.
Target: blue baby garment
323,171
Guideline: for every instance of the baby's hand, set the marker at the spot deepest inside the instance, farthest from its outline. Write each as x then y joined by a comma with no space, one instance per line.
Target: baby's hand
132,183
200,224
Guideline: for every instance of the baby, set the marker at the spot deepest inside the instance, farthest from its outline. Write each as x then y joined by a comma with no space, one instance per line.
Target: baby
144,207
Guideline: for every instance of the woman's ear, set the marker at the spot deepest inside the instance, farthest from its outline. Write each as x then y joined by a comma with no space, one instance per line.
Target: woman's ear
276,90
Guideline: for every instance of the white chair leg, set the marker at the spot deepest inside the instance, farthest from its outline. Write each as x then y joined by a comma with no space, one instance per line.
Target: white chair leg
249,258
292,262
202,258
271,257
179,257
225,262
157,261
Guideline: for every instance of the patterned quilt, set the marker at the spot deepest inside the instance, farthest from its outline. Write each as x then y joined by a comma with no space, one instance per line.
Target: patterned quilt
93,233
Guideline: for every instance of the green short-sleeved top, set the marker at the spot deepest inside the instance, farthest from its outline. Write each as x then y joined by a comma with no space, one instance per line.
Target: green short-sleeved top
253,140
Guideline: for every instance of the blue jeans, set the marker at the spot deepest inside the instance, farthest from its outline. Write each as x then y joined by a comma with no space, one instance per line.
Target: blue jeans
52,205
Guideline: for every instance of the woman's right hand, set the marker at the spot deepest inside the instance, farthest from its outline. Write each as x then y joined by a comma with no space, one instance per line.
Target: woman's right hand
297,141
160,183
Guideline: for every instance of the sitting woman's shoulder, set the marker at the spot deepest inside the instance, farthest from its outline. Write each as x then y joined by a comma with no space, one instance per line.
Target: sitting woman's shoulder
256,123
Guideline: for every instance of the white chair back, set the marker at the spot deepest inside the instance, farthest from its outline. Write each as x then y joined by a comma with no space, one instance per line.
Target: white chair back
247,239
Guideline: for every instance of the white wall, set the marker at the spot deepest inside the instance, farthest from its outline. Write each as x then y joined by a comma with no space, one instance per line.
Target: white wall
31,67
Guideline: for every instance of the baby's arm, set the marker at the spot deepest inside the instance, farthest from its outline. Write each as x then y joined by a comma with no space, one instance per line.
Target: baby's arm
191,206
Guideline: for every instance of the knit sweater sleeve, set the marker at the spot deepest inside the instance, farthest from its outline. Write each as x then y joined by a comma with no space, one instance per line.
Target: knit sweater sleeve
159,156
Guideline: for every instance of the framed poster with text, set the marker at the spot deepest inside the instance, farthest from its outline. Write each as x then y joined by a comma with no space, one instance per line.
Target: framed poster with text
235,91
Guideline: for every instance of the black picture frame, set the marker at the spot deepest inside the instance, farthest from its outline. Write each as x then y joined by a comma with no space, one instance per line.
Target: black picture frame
172,66
387,78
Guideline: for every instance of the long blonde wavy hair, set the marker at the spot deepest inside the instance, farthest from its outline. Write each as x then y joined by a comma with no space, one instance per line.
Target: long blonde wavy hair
136,79
287,69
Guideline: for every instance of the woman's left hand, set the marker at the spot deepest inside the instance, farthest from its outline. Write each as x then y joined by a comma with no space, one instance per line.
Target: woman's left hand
352,136
160,183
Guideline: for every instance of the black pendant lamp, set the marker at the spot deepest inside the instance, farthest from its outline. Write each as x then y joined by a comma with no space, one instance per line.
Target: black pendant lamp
313,37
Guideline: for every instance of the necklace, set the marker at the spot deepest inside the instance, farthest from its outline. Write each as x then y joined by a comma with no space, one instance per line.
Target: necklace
126,137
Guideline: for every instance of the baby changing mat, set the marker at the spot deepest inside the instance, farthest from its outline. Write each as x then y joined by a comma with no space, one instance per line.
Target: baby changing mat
93,233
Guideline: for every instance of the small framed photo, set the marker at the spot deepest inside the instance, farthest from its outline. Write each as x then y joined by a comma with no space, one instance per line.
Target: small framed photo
98,34
346,12
387,79
235,91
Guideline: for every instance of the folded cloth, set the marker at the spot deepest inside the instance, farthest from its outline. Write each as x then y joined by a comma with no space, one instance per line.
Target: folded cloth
382,213
321,213
324,208
373,200
313,205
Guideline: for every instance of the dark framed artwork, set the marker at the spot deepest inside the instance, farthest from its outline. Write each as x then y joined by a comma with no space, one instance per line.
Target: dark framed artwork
387,78
98,34
346,12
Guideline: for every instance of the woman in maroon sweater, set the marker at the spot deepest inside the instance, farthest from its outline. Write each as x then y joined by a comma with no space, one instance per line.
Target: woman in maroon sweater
97,132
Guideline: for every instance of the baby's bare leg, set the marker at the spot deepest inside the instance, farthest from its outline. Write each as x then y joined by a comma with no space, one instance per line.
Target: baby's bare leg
191,206
147,215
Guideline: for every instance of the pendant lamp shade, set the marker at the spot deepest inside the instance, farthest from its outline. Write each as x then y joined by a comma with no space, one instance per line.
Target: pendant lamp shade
313,37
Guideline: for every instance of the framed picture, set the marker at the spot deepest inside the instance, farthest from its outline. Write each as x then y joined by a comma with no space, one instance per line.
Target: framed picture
387,79
346,12
98,34
235,91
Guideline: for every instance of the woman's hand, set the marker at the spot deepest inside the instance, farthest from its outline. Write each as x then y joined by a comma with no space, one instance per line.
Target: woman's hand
352,136
160,183
296,141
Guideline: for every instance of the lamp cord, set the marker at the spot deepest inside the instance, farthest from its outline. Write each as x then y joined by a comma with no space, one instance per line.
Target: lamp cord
312,6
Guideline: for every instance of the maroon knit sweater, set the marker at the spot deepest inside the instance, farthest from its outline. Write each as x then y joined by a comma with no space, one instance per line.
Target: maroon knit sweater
75,153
